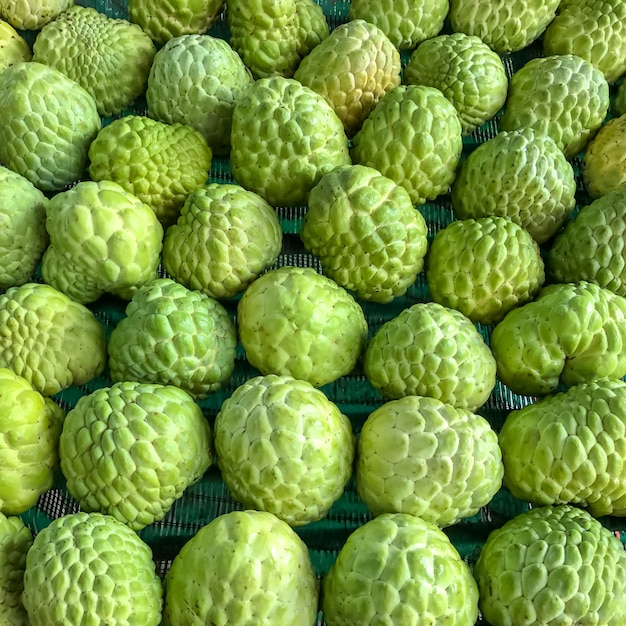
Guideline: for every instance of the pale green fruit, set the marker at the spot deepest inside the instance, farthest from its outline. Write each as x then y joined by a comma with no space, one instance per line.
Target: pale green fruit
283,447
48,339
399,569
420,456
294,321
131,449
88,568
245,567
32,14
13,47
173,336
103,239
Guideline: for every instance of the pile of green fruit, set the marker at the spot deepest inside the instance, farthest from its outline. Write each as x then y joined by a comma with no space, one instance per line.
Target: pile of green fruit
313,310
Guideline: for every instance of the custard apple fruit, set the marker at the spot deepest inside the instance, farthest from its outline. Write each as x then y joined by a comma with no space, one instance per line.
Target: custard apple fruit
13,47
32,14
619,102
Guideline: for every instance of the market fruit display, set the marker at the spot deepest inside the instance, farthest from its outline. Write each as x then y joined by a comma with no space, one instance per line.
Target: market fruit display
247,567
13,47
32,14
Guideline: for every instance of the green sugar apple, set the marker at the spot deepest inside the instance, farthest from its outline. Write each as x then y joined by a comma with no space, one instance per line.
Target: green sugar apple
159,163
520,174
283,447
431,350
421,456
89,568
413,136
23,235
48,122
592,246
49,339
15,541
466,70
484,267
244,567
399,569
131,449
552,565
504,25
103,239
619,102
196,80
285,137
365,231
225,237
570,448
13,47
405,22
352,69
294,321
32,14
30,425
572,333
173,336
560,95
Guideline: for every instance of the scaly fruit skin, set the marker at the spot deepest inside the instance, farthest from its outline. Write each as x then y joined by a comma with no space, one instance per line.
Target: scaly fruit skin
604,165
406,23
48,121
484,267
549,566
420,456
159,163
48,339
173,336
283,447
572,333
503,25
414,137
382,564
570,448
32,14
352,69
466,70
30,426
591,247
88,568
13,47
23,235
519,174
294,321
131,449
285,137
431,350
103,239
207,101
115,55
225,237
365,231
244,567
562,96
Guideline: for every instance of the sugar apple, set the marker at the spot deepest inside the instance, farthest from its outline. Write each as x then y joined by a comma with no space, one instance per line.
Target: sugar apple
89,568
421,456
619,102
285,137
23,235
284,447
552,565
352,69
294,321
244,567
13,47
48,122
560,95
414,137
365,231
434,351
570,334
399,569
103,239
173,336
406,23
48,339
225,237
520,174
32,14
484,267
466,70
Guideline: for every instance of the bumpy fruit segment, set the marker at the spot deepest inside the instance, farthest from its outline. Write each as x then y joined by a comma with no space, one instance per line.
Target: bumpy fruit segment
32,14
13,47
